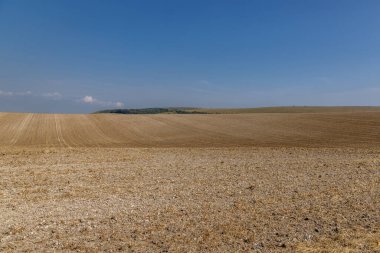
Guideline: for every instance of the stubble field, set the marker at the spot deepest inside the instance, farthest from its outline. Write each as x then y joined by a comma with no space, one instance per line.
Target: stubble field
190,183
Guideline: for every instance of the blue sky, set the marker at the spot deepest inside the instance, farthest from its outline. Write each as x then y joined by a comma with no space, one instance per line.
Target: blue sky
74,56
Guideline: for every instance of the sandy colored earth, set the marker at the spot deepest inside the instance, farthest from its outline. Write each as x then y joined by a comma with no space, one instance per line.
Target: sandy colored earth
283,129
190,183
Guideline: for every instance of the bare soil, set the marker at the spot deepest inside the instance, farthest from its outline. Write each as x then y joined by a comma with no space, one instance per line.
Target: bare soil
356,129
190,183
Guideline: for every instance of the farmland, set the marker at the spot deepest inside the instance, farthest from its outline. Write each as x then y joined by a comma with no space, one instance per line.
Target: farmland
349,129
268,182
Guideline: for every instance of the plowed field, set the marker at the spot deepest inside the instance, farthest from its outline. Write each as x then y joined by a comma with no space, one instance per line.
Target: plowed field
305,130
299,182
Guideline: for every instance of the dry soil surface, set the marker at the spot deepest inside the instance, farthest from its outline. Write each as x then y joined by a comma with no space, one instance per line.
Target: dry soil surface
190,183
274,129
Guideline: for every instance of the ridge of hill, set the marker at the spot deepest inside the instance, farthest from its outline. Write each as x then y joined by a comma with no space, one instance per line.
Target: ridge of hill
278,109
156,110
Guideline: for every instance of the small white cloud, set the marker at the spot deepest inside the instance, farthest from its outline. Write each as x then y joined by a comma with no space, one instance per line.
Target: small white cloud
6,93
26,93
11,93
94,101
88,100
53,95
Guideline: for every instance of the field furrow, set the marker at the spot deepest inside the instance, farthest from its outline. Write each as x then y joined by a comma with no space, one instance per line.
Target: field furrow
317,129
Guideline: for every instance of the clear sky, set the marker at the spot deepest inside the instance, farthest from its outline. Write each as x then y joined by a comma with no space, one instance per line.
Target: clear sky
71,56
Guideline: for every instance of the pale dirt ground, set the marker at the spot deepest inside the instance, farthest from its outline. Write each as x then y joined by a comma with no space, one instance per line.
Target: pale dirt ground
281,129
190,200
86,183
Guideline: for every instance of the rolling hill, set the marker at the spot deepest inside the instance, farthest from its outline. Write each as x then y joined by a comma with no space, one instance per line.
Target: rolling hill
192,130
278,109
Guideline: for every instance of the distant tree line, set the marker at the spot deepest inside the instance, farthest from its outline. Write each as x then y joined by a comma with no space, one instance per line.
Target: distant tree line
153,111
